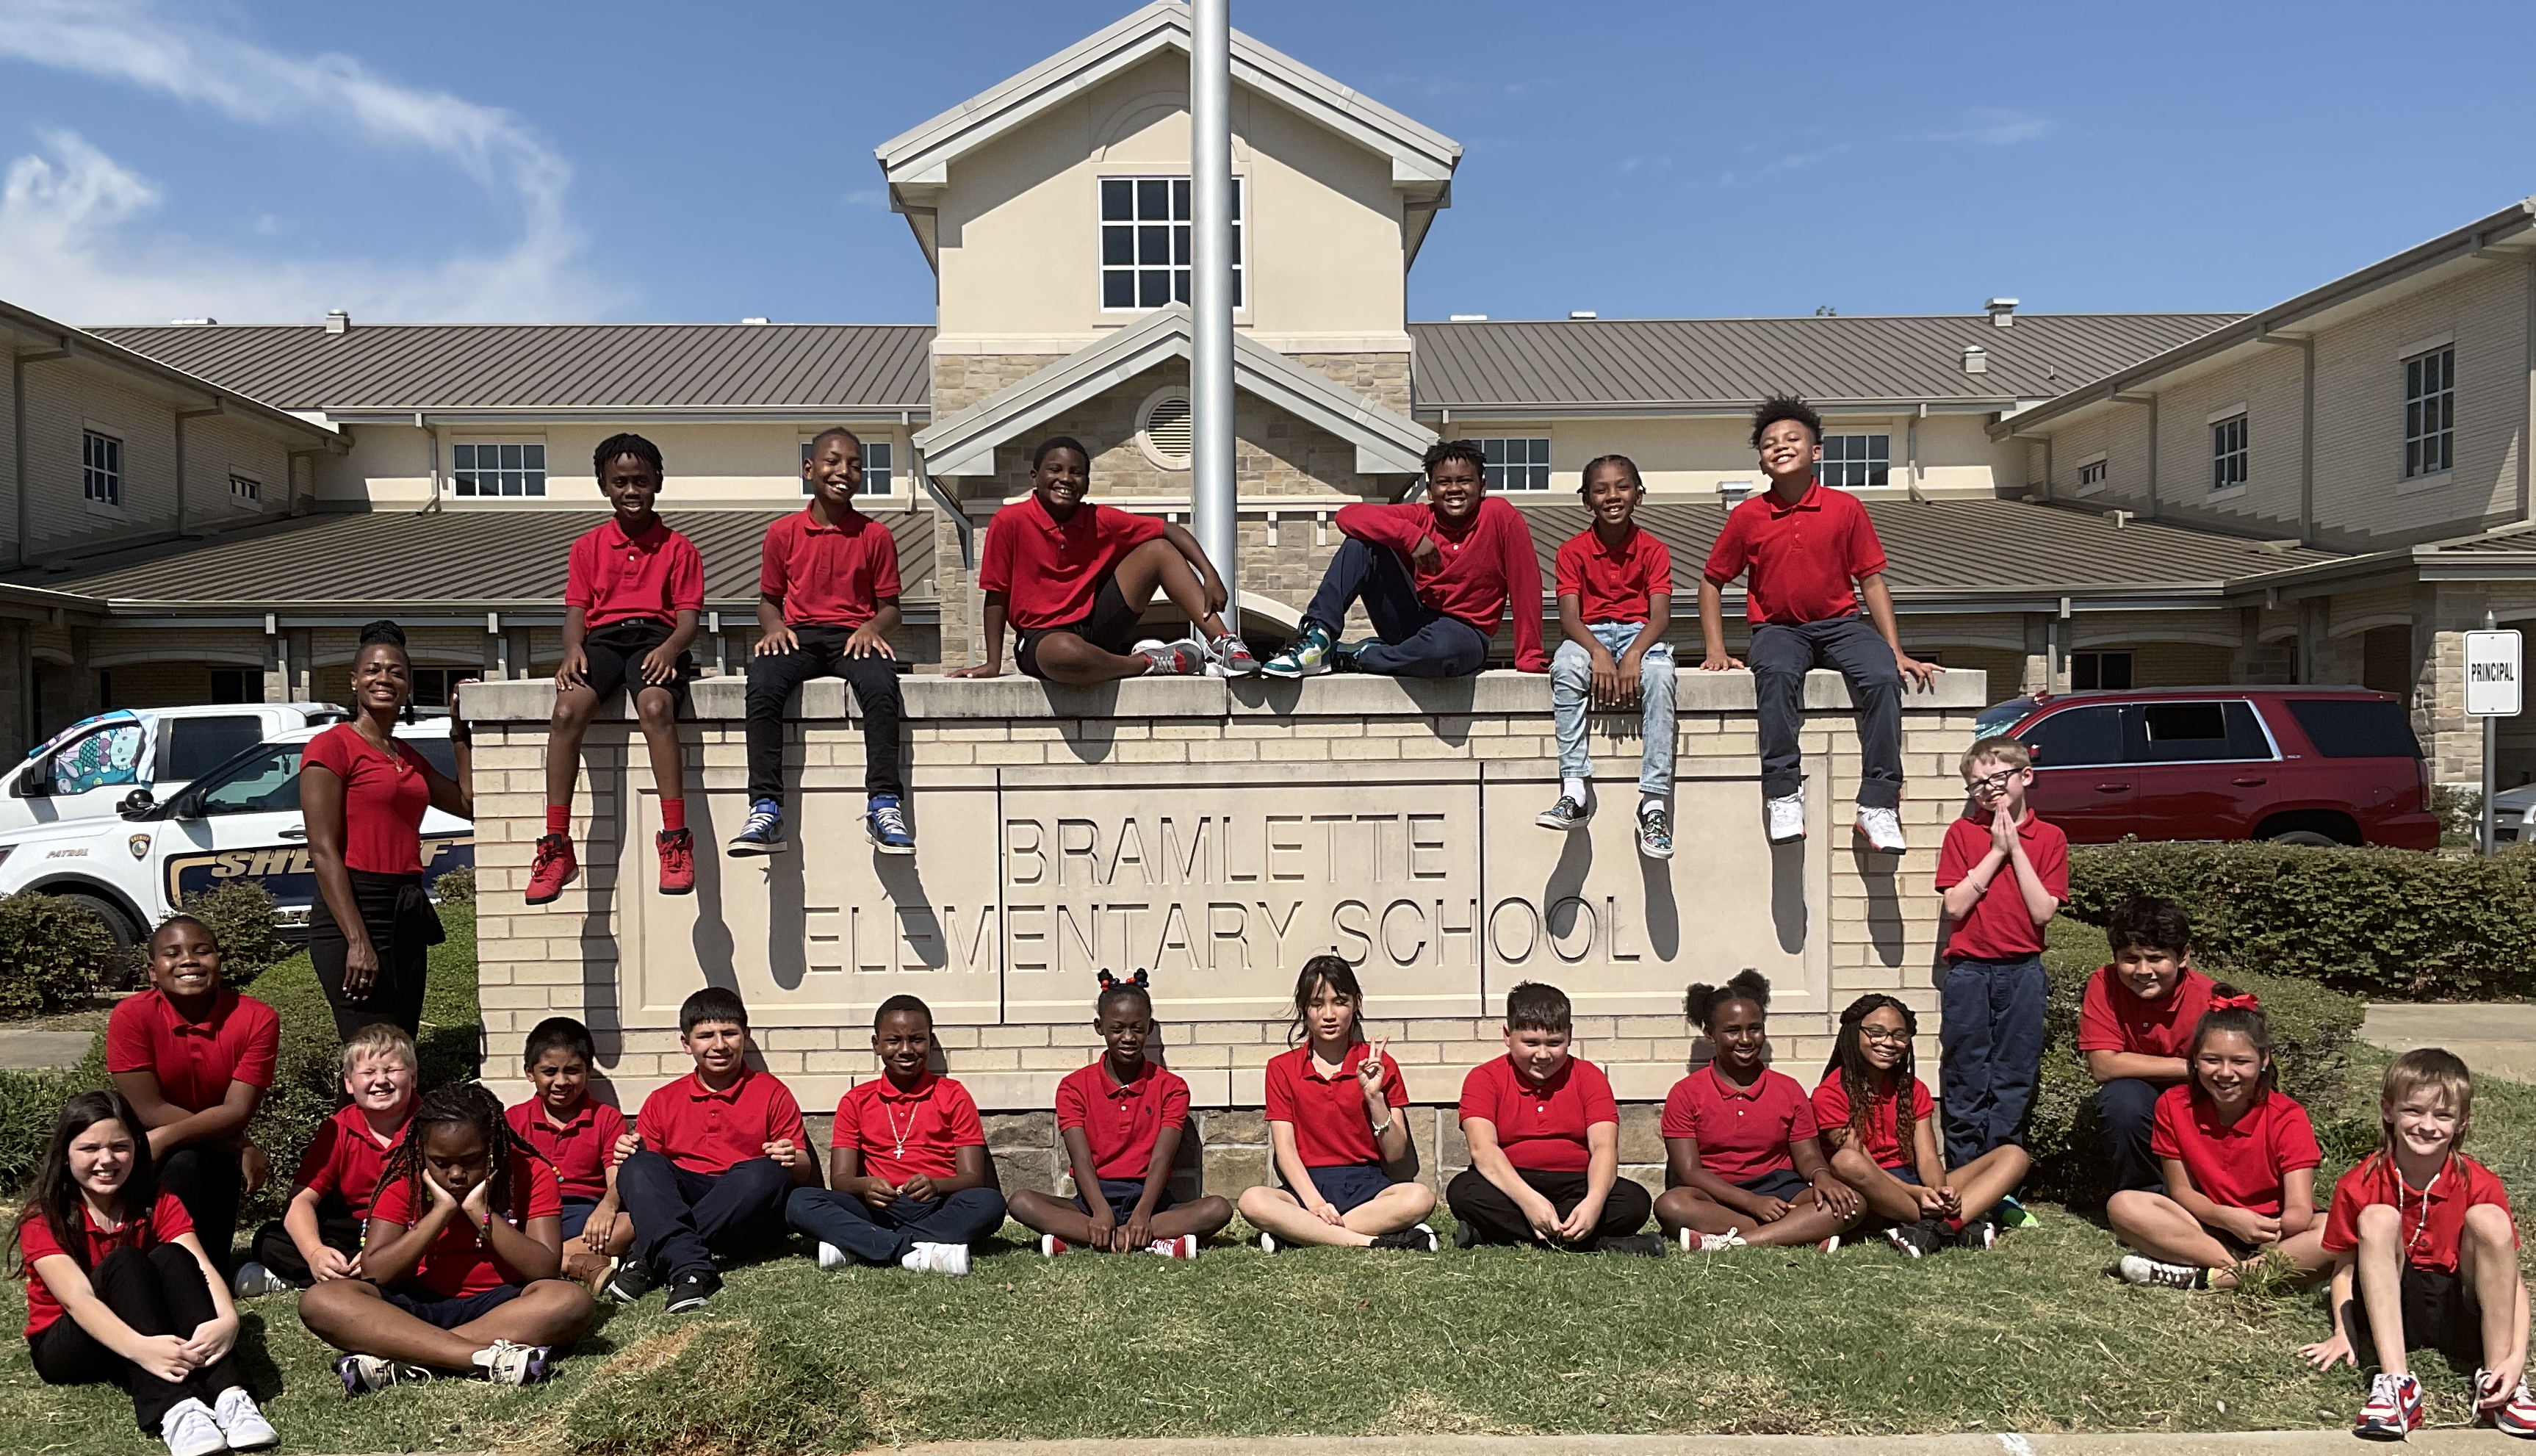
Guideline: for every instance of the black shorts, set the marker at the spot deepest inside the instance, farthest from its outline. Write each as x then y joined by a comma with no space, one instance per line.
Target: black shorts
449,1311
1783,1184
1121,1195
1350,1186
1112,626
615,654
2439,1314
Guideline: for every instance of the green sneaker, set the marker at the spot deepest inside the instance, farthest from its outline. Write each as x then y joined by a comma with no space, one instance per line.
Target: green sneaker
2011,1214
1309,657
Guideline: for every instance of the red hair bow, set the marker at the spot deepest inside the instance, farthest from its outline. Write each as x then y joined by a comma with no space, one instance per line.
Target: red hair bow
2243,1001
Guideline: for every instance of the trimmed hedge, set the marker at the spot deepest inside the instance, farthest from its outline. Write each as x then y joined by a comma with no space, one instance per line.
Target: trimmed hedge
2388,923
50,954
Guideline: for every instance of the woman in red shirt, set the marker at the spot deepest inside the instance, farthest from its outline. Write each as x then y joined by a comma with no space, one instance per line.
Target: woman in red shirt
119,1288
362,795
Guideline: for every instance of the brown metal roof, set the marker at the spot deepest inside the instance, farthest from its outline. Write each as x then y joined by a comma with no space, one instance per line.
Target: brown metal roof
458,366
1614,363
465,560
1952,547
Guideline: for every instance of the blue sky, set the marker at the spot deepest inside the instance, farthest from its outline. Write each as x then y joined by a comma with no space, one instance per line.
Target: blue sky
261,161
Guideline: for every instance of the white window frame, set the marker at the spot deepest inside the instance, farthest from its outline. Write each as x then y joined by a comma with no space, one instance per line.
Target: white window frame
1176,243
102,485
250,499
2095,472
880,472
1501,469
1867,465
2231,454
465,464
2438,438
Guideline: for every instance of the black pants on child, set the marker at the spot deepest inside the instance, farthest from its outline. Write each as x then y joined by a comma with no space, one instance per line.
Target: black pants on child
279,1253
158,1293
1417,641
1781,655
821,654
682,1218
2126,1111
207,1179
1494,1216
884,1236
1990,1045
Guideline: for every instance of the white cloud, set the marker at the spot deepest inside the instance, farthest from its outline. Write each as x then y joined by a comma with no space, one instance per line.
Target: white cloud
69,246
1998,129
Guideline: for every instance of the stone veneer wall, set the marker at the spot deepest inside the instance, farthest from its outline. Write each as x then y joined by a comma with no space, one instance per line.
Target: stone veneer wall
1388,813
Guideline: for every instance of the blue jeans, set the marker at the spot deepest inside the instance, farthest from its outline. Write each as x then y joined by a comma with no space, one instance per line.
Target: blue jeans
1571,694
1992,1050
1417,641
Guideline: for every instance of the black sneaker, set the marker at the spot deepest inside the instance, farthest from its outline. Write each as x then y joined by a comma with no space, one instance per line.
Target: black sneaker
694,1290
1645,1245
1566,814
1465,1234
1418,1240
1979,1234
630,1283
1915,1240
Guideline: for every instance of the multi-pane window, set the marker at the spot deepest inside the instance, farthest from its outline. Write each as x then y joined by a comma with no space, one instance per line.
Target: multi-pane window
2228,452
2093,473
431,684
500,469
2099,669
246,490
2430,413
1145,241
1852,460
1518,464
237,685
102,469
876,464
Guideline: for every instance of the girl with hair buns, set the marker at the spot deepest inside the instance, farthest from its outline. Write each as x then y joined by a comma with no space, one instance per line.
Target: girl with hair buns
363,796
1741,1150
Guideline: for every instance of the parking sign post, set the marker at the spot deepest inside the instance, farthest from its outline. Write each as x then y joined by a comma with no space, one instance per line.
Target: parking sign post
2491,694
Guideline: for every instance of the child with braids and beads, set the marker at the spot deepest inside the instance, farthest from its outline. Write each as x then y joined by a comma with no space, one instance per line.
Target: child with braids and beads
461,1269
1121,1118
1877,1120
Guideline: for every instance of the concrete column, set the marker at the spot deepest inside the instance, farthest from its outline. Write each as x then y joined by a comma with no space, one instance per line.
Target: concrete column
83,695
277,666
300,647
2037,674
2252,660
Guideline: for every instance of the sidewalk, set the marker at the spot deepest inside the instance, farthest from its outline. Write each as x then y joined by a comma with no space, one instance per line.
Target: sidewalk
1969,1443
27,1049
2496,1041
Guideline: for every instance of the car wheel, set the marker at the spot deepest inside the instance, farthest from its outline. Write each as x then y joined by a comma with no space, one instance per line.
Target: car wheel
2308,838
118,928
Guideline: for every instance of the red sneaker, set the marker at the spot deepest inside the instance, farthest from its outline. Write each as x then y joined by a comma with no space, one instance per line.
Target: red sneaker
553,869
1049,1245
677,849
1183,1247
2394,1411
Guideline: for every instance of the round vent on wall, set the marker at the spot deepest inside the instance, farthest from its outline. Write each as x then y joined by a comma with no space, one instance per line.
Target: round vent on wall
1163,429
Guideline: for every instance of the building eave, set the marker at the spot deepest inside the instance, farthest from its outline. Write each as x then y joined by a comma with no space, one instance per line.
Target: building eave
79,343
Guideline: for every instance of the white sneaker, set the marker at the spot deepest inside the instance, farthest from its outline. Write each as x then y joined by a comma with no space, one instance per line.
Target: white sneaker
506,1363
242,1424
1787,817
2139,1269
189,1429
833,1257
1695,1242
253,1279
1267,1243
1881,829
937,1258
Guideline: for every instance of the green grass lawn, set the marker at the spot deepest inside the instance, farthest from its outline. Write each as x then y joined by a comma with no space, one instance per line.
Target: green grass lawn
2032,1337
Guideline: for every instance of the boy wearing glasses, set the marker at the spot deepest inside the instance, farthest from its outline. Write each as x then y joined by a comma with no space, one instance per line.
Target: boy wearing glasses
2004,874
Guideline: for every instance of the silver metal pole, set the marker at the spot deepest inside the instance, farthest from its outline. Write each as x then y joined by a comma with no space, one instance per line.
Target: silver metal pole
2490,751
1215,506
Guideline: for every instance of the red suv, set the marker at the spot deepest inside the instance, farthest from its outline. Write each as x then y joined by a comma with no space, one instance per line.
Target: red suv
2294,765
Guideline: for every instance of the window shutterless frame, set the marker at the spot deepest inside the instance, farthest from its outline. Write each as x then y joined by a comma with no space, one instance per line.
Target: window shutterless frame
1852,460
484,468
101,468
876,468
2430,413
1520,463
2227,454
1144,225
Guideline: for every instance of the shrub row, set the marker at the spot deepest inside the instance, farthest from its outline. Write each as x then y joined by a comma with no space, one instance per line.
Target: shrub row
50,955
2388,923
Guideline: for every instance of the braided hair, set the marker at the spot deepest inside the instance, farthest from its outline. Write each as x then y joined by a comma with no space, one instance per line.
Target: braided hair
458,1105
1858,1075
1116,988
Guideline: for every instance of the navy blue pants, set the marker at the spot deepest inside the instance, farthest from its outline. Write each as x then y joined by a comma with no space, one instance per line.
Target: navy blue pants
682,1218
1992,1045
884,1236
2126,1111
1781,655
1417,641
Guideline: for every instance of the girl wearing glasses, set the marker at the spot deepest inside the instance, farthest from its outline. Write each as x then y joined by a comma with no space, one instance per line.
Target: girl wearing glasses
1884,1143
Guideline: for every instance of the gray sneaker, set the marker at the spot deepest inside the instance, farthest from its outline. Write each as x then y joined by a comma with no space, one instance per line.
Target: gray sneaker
1230,657
1173,658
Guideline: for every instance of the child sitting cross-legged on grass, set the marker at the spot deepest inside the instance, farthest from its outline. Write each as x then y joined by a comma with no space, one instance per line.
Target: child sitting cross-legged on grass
1334,1121
1121,1118
1884,1143
910,1180
578,1134
319,1233
2426,1257
1740,1141
460,1271
2240,1161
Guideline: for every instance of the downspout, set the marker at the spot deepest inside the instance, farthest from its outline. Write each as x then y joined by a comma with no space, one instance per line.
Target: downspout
17,363
1911,448
431,433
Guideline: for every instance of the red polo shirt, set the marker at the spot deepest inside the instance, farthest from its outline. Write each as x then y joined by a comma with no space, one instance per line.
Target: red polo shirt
1331,1126
831,576
1883,1140
613,577
1541,1125
1804,559
1999,928
579,1148
1050,571
384,799
344,1159
167,1219
2112,1018
1613,585
2240,1166
1121,1122
706,1132
1484,568
459,1262
1742,1132
196,1060
906,1133
2433,1218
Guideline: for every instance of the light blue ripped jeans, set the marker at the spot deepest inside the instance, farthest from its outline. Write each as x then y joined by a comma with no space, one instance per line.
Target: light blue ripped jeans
1571,694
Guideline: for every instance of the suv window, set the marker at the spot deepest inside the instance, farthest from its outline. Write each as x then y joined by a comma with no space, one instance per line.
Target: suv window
2075,738
257,784
440,753
2356,727
2197,733
108,756
194,746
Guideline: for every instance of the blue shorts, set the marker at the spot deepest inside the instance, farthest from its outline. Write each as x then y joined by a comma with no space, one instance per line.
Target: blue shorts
1350,1186
1784,1184
1904,1172
576,1215
1121,1195
448,1312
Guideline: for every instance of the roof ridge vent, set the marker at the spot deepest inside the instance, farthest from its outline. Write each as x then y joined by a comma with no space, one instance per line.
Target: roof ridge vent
2002,311
1976,359
338,321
